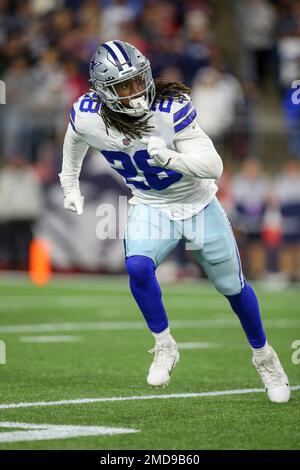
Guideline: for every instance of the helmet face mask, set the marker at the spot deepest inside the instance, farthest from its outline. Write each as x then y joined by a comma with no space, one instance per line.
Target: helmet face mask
116,63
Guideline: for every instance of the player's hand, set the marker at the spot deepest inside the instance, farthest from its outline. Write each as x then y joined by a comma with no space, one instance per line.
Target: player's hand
73,200
156,147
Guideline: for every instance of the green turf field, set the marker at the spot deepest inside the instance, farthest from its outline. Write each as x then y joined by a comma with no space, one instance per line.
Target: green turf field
99,350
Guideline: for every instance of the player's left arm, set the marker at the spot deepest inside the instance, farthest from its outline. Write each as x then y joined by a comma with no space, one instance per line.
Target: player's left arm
195,153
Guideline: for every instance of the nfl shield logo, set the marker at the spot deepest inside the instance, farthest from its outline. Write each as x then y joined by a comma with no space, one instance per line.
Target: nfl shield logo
126,141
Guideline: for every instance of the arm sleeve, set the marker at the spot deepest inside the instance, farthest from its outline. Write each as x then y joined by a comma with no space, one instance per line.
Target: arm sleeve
196,155
74,150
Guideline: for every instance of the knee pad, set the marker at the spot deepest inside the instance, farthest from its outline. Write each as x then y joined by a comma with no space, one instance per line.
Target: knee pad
140,268
229,284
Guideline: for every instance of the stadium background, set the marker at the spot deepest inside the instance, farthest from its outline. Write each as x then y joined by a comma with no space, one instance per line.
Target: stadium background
239,57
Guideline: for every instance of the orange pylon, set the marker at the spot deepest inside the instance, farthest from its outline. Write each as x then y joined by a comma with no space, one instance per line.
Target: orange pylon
39,262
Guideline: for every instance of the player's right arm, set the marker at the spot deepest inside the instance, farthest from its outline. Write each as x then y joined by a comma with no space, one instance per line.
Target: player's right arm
74,150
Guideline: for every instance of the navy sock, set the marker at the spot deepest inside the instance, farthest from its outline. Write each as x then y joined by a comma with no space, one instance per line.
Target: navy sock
147,292
245,305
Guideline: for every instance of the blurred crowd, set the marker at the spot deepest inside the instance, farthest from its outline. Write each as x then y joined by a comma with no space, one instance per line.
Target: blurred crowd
240,58
265,214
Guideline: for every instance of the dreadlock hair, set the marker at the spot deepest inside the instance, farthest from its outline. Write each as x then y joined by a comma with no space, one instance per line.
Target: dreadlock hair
135,127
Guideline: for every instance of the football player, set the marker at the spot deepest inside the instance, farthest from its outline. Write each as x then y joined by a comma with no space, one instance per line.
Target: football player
147,130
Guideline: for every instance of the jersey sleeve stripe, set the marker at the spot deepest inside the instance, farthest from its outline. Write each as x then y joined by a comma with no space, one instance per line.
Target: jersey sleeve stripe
72,118
72,125
186,121
183,111
73,114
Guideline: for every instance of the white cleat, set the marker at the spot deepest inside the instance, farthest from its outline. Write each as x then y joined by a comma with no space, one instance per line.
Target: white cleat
166,356
273,376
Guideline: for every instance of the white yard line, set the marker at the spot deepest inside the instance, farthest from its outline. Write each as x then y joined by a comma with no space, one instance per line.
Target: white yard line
99,283
42,432
21,302
79,300
118,283
50,339
83,401
198,345
231,322
47,327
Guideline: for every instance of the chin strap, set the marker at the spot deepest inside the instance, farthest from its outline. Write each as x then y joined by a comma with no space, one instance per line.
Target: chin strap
139,105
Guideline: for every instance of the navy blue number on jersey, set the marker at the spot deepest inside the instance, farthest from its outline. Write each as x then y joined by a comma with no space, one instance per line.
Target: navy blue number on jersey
90,104
157,178
164,105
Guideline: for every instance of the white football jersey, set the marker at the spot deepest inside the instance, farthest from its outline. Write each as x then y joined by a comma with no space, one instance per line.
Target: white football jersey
180,195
